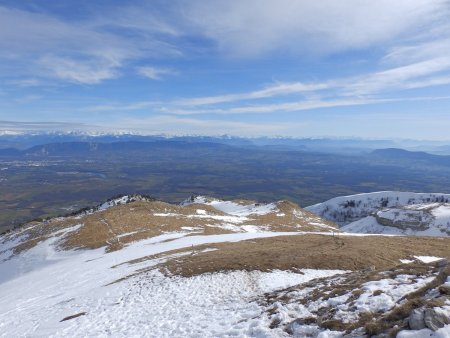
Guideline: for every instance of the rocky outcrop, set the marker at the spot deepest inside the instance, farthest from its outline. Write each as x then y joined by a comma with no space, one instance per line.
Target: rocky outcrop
435,319
404,219
432,319
416,320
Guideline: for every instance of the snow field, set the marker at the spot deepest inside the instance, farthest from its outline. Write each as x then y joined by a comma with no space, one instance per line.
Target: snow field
60,284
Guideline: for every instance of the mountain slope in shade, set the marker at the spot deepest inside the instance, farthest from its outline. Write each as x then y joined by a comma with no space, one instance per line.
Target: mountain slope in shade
389,212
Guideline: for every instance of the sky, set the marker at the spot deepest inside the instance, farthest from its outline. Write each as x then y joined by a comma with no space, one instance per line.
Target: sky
299,68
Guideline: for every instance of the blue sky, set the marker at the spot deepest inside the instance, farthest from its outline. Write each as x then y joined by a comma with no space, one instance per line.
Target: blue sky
354,68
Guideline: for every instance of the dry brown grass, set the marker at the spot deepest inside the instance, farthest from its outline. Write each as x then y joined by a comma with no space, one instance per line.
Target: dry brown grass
371,323
435,283
138,220
444,290
414,300
334,325
374,328
314,252
373,258
122,224
377,292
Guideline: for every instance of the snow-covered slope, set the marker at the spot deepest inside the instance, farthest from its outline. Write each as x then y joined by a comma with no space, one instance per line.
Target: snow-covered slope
425,214
250,213
233,207
93,273
106,273
47,285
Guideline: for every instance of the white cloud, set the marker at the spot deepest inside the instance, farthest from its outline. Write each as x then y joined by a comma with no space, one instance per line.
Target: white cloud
412,35
154,73
278,107
359,90
87,51
253,27
80,71
121,107
430,82
99,47
422,73
269,91
35,126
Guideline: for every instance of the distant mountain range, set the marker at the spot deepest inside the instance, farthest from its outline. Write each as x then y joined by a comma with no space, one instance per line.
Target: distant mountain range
77,148
60,146
396,154
327,145
96,148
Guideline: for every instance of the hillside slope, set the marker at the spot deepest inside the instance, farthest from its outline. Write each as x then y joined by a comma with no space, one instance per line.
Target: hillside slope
134,266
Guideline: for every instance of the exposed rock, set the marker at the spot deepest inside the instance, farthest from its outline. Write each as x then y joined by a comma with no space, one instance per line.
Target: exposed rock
358,333
404,219
442,263
435,320
416,319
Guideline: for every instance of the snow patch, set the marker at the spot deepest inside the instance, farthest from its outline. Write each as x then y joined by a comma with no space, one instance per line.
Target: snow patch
428,259
236,209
